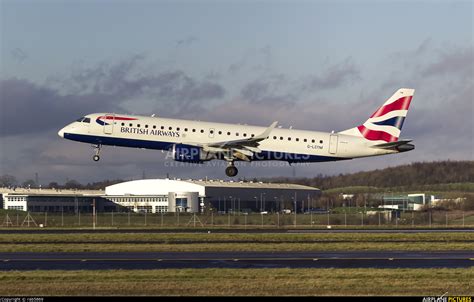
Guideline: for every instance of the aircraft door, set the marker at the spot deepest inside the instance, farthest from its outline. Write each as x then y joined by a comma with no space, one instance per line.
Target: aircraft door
333,143
109,123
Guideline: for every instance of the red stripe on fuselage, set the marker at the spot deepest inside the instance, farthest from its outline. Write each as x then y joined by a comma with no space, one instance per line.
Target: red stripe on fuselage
375,135
117,118
400,104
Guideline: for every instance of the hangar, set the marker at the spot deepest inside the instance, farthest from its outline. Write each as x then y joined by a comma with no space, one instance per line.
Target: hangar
167,195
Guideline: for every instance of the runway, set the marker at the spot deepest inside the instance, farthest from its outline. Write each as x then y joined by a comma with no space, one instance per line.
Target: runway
242,260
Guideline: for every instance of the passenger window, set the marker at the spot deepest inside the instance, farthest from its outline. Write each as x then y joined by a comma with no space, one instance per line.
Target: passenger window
177,129
154,126
274,137
138,125
171,128
202,131
237,134
212,131
220,132
123,124
194,130
245,134
320,141
297,139
146,126
305,140
185,129
281,137
289,138
130,125
228,133
252,135
312,140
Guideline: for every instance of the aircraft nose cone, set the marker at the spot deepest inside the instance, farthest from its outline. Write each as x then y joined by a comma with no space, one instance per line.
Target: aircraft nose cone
61,133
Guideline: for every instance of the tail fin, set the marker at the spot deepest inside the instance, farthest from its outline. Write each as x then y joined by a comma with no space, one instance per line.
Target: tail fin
386,123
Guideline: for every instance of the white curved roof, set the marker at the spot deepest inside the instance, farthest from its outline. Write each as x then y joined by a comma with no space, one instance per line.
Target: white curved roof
153,187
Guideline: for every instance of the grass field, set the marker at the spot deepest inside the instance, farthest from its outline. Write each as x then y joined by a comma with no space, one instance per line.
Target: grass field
238,282
241,282
195,242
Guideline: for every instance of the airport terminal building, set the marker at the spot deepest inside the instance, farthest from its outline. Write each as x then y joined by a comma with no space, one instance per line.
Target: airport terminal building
168,195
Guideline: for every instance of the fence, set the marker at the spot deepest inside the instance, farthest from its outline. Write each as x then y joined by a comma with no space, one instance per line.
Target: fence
272,220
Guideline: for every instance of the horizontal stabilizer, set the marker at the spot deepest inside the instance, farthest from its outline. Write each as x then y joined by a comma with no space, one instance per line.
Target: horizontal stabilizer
401,145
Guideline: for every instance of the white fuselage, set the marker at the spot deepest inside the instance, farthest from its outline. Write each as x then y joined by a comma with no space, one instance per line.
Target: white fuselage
162,134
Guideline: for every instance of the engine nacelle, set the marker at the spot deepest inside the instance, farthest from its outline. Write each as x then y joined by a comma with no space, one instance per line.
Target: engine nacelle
190,154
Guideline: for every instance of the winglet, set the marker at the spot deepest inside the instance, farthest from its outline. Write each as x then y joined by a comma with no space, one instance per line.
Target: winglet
266,133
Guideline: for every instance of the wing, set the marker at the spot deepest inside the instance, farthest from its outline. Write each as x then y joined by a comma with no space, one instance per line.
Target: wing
242,148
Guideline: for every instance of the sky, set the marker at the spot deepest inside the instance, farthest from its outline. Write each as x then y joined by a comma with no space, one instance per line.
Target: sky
313,65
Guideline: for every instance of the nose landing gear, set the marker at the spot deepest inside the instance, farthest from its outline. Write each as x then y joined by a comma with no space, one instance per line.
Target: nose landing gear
97,148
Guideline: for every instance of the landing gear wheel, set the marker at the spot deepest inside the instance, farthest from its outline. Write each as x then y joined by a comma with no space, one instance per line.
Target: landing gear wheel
97,148
231,171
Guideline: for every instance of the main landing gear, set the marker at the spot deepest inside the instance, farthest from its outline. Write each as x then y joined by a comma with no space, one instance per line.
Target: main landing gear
231,170
96,157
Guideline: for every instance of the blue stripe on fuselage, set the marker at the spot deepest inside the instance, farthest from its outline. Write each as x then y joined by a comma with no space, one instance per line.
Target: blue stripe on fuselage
157,145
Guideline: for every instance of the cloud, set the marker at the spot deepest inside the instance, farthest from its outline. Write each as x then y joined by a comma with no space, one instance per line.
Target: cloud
186,41
19,55
458,62
334,76
30,107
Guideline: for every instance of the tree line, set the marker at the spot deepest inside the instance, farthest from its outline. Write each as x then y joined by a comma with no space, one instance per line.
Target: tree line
448,175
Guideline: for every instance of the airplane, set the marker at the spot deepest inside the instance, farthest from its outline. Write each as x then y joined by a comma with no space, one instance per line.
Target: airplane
198,142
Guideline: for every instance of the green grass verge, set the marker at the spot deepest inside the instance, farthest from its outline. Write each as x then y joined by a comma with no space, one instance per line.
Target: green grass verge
194,242
240,282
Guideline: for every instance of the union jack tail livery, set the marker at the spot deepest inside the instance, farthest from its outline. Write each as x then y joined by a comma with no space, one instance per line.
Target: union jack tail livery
386,123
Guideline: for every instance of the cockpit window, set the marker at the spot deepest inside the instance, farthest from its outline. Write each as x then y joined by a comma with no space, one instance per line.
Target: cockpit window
83,120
